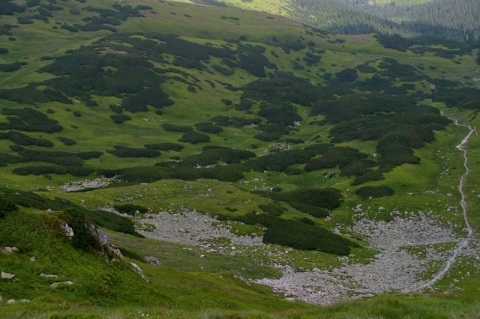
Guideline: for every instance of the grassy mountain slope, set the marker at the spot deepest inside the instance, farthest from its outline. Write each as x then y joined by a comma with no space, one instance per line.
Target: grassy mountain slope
454,19
276,128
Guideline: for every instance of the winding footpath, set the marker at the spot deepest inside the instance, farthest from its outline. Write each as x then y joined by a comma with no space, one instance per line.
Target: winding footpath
463,203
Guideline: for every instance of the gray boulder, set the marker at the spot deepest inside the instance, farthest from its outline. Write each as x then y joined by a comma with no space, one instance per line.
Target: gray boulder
152,260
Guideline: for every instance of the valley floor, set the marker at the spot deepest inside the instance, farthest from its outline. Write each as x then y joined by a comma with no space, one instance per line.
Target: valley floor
415,250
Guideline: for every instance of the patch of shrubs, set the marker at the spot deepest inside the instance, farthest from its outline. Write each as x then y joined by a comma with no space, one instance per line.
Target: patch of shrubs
369,175
120,118
235,121
58,170
347,75
149,174
305,236
83,238
364,68
214,154
286,89
7,7
165,146
332,157
131,209
272,209
6,205
61,158
28,120
367,192
194,138
312,201
319,148
11,67
208,127
177,128
354,106
66,141
280,113
121,151
6,159
25,140
279,161
399,71
69,27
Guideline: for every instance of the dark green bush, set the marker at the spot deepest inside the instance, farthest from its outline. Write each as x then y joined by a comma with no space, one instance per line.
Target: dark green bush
334,157
29,120
11,67
304,236
66,141
83,237
369,175
148,174
194,138
214,154
272,209
268,136
177,128
57,157
367,192
9,159
166,146
279,161
208,127
320,148
59,170
312,201
120,118
347,75
121,151
364,68
24,20
25,140
6,205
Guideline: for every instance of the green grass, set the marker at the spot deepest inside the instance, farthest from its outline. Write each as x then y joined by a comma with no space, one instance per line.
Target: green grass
187,285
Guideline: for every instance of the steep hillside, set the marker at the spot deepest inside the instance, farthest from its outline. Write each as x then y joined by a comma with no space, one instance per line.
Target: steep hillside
410,18
244,151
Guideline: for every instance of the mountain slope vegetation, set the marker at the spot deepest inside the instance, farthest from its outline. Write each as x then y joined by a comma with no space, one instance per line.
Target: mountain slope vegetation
113,114
452,19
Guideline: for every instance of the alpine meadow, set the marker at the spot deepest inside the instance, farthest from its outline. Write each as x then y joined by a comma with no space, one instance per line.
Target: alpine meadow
239,159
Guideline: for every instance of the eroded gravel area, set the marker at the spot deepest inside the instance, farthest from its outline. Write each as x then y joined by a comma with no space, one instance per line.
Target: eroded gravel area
398,266
191,228
407,246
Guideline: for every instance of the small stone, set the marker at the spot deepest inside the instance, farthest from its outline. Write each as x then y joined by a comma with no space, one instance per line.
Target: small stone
8,250
6,275
32,259
67,230
62,283
11,301
137,269
153,260
48,276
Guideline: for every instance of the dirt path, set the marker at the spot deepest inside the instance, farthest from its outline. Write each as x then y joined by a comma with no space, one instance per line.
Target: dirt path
463,203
